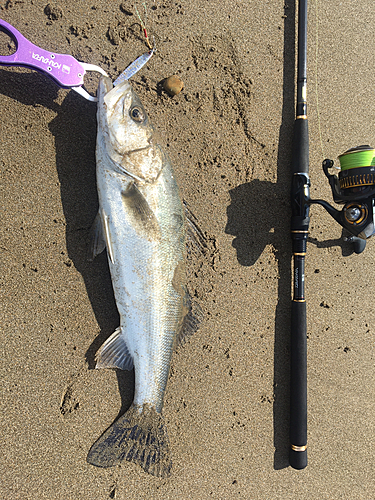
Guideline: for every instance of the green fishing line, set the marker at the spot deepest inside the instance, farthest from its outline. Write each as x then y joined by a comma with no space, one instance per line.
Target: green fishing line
356,158
357,167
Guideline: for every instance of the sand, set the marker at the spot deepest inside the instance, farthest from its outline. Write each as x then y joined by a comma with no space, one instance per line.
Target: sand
229,136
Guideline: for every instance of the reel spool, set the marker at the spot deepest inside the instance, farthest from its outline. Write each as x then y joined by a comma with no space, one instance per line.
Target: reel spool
357,168
354,187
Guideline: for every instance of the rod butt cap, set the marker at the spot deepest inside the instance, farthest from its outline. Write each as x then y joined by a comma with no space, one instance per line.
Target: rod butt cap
298,459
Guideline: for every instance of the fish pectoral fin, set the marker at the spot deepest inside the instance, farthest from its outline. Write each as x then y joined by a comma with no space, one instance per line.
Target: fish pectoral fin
191,322
195,239
107,236
114,353
142,215
138,436
96,239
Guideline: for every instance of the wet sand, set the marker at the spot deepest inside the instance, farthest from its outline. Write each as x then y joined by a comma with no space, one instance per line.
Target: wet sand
229,136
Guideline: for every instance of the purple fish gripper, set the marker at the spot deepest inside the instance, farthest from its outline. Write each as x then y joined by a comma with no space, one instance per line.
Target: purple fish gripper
63,68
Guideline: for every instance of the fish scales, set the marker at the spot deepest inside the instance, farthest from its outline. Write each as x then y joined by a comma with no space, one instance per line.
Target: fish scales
141,223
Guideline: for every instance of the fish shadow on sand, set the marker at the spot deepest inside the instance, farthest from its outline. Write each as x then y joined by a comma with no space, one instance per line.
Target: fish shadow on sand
74,131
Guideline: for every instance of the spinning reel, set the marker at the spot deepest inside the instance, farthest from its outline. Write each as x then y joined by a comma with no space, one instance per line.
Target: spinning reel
354,187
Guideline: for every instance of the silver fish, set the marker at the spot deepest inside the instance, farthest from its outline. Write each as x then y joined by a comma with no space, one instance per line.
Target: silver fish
141,224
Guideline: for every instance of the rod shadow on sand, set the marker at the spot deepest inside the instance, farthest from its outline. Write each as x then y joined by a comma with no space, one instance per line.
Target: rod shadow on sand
74,131
259,215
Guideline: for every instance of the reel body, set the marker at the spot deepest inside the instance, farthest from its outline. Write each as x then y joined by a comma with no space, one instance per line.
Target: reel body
354,187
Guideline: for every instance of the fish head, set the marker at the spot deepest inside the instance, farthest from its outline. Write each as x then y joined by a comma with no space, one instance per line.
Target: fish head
126,133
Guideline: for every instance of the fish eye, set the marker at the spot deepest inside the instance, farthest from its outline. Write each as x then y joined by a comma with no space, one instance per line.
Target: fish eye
137,114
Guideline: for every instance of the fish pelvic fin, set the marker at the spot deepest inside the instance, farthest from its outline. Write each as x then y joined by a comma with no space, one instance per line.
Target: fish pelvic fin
138,436
114,353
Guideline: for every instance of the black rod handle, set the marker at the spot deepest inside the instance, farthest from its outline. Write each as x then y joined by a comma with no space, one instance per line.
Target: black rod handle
298,387
300,152
298,338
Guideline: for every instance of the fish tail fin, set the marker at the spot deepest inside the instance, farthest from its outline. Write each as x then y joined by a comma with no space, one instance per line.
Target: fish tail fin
138,436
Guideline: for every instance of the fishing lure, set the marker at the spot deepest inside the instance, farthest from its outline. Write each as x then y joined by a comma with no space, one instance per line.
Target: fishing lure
134,67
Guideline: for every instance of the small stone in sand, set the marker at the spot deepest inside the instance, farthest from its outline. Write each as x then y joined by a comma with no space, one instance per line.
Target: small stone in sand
173,85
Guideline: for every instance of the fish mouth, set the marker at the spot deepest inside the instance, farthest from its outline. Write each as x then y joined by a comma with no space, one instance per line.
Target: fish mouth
106,87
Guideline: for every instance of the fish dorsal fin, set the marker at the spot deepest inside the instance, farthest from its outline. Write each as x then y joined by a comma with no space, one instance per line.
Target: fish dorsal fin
137,207
191,322
96,239
114,353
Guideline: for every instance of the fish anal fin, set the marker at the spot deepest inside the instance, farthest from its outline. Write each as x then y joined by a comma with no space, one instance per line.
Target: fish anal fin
138,436
96,239
114,353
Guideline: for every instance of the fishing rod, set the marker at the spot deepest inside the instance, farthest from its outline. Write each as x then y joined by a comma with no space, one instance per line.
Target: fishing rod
354,188
299,231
